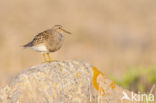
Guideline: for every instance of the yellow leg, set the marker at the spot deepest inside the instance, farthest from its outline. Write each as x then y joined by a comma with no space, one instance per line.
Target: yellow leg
44,56
50,60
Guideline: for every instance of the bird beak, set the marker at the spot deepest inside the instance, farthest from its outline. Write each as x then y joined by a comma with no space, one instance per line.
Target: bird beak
66,31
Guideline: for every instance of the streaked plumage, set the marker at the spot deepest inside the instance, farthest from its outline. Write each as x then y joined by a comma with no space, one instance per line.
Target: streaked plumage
49,40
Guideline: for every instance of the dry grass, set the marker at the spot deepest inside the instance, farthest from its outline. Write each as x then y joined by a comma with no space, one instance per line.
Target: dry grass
113,35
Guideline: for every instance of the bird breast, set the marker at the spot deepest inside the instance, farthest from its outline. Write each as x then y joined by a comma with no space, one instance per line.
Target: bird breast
55,42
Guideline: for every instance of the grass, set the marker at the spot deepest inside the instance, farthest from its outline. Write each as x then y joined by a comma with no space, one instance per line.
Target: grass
138,79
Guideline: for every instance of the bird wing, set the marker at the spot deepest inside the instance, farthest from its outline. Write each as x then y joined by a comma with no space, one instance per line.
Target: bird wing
40,38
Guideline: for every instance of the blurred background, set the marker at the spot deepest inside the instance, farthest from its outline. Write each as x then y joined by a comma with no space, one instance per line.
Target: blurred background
118,37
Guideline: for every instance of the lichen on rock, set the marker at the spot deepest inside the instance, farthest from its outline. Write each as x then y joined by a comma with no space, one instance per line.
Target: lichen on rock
60,82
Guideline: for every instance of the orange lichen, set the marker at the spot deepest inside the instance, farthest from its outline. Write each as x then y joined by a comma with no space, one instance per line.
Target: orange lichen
78,74
96,73
102,92
113,84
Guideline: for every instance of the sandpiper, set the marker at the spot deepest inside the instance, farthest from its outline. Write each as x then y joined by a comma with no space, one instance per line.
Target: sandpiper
48,41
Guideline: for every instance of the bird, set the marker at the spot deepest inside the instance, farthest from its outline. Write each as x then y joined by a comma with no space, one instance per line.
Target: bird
48,41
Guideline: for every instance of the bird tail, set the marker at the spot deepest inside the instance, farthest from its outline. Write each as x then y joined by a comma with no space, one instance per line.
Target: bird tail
30,44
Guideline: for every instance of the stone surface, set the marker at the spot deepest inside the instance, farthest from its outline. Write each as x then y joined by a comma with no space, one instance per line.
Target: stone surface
61,82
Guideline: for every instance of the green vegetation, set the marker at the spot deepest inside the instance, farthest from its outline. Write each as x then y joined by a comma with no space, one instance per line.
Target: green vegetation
138,79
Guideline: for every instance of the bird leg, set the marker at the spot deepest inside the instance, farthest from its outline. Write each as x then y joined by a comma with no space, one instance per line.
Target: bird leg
44,56
50,60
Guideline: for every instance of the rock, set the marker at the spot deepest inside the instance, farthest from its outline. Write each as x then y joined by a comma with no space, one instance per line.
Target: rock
62,82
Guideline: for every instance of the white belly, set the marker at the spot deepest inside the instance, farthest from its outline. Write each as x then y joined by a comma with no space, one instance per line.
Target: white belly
40,48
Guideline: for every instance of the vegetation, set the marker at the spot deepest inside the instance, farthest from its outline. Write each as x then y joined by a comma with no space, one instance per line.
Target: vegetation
138,79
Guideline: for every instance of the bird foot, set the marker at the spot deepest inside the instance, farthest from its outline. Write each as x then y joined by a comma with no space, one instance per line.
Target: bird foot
50,61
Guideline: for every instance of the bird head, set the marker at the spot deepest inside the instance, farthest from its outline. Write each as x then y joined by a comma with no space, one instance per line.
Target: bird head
59,28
